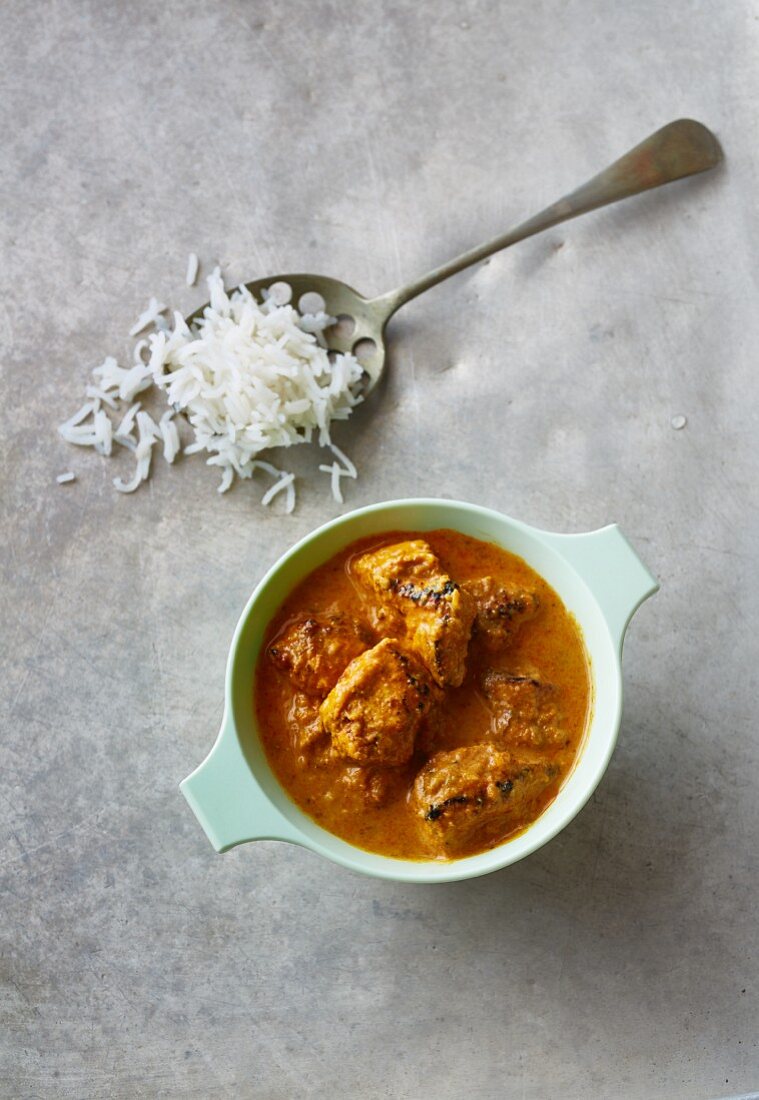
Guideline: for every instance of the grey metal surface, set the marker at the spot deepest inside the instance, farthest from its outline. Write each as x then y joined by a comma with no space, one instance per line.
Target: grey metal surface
364,140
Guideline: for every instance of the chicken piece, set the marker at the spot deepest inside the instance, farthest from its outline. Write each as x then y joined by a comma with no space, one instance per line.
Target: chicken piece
524,709
474,796
420,603
374,710
314,651
499,611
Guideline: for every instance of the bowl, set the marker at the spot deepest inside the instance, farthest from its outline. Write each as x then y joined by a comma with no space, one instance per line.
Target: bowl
234,793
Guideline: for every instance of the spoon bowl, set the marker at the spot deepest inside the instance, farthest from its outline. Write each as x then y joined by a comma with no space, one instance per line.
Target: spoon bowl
360,324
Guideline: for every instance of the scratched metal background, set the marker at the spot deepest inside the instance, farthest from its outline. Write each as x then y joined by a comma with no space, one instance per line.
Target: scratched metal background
371,141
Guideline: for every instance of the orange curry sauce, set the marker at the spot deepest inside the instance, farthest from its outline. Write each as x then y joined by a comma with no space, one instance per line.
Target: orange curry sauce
332,790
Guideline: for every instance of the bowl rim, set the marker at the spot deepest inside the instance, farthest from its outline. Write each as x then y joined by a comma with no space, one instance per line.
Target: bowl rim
511,851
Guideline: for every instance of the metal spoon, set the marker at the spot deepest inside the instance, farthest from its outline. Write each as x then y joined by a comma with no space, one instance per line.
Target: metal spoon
680,149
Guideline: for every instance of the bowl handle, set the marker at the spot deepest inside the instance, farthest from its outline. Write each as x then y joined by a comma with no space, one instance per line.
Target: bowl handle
612,570
227,799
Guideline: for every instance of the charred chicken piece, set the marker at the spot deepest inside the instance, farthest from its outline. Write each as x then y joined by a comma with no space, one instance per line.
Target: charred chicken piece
374,710
421,604
499,611
470,797
524,709
314,651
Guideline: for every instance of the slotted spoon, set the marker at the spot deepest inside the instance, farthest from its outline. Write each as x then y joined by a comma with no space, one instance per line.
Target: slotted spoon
682,148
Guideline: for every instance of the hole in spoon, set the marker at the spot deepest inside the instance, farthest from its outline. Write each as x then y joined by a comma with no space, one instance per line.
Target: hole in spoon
343,328
311,302
279,293
365,350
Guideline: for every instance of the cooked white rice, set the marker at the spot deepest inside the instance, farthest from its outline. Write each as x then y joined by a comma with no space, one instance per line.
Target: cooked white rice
192,270
248,376
124,431
336,471
170,435
148,317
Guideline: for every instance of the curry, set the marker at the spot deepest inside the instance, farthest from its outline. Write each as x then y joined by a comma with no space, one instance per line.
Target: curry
423,696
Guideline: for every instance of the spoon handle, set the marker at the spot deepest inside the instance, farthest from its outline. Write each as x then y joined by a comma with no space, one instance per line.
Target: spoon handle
682,148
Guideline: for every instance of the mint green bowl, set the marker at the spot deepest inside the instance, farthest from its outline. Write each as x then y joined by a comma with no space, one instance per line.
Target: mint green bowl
234,793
